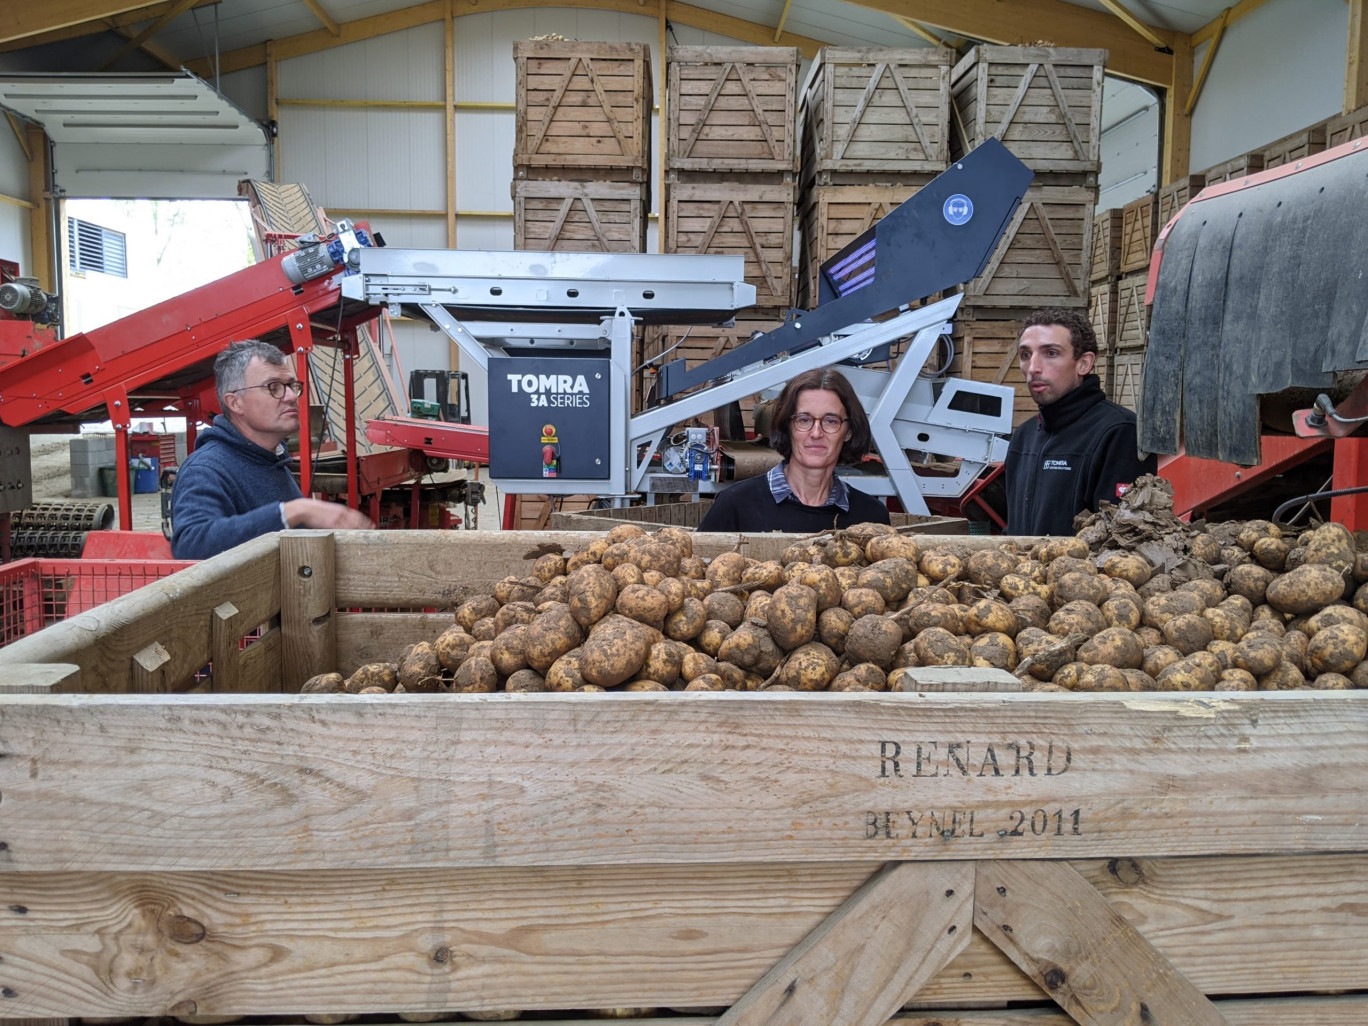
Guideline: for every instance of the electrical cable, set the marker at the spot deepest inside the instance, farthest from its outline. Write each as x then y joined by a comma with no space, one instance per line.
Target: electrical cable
1304,500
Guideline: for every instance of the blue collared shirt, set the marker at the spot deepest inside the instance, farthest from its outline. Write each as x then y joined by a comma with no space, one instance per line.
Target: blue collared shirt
779,488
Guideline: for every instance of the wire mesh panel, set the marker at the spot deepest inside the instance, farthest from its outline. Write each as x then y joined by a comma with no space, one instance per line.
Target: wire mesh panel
38,592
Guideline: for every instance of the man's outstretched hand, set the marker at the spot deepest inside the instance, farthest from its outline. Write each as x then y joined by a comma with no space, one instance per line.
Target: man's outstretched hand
316,513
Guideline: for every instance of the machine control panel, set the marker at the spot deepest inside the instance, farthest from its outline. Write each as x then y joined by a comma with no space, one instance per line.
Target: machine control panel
549,418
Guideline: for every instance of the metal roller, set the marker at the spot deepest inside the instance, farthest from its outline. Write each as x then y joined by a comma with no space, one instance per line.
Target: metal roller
67,516
47,544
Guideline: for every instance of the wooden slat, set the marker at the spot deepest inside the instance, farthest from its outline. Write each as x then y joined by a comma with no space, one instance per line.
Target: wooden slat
1080,950
583,104
657,936
1043,103
174,611
1236,167
1346,127
306,606
582,217
871,955
1042,257
751,221
1127,378
379,637
1242,774
876,111
1105,262
732,108
1132,315
1294,147
1139,228
1102,315
1174,196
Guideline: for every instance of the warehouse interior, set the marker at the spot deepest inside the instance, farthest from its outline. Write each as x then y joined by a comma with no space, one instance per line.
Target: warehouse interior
1020,688
404,116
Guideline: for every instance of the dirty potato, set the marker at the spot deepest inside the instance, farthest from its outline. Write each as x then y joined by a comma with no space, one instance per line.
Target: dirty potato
592,593
614,652
793,616
1305,589
1115,646
808,667
554,632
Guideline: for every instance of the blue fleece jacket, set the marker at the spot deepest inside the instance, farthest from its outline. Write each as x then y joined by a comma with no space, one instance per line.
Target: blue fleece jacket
228,491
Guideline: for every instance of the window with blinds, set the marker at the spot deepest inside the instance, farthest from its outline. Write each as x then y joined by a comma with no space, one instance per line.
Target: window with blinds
92,248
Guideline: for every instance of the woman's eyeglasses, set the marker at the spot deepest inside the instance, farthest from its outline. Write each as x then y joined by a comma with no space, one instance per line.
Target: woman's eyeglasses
830,423
276,389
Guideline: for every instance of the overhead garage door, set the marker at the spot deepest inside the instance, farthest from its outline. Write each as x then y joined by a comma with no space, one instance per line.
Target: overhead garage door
140,136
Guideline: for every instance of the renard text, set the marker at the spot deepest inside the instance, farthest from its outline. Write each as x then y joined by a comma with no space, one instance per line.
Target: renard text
973,759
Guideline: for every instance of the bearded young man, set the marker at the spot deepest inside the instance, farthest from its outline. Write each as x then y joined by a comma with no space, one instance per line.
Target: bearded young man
1080,448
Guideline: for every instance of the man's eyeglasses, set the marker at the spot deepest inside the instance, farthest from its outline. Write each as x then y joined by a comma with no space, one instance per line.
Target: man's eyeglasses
276,389
830,423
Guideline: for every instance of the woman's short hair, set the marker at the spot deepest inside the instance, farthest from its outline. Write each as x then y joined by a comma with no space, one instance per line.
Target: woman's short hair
826,379
230,367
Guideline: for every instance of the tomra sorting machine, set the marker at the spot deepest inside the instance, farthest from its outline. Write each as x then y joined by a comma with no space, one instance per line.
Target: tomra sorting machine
553,332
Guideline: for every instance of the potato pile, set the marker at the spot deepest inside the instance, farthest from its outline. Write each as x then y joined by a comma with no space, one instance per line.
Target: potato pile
853,611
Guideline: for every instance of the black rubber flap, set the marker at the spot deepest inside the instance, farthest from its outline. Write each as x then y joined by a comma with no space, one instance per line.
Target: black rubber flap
1260,290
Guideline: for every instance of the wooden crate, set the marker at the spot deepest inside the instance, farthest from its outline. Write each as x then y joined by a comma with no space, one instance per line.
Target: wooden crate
587,217
735,218
1102,314
1132,315
876,113
831,216
1139,229
1294,147
1237,167
582,106
1044,103
986,350
1126,378
534,512
1105,263
732,108
1347,127
1041,259
841,854
1176,195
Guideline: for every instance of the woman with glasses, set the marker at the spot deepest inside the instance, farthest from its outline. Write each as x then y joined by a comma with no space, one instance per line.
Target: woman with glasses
818,423
237,483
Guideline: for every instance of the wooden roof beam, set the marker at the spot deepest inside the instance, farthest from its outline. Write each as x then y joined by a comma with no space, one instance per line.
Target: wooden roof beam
1224,20
154,50
1145,31
322,15
435,10
1026,21
90,28
23,19
177,9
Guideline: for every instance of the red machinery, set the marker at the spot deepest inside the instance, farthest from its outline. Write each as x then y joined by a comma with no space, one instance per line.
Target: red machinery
1257,297
159,362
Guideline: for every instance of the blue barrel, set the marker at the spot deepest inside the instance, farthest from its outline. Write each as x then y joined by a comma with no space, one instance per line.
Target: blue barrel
144,470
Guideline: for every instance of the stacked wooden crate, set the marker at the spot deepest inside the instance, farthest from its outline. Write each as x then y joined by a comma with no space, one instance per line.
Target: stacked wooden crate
1045,105
581,168
1346,127
875,130
730,173
1176,195
581,160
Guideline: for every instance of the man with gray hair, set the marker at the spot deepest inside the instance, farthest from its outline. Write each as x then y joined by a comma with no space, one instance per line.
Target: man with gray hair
237,483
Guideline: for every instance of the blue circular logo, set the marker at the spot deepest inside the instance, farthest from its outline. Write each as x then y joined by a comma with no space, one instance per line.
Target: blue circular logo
958,209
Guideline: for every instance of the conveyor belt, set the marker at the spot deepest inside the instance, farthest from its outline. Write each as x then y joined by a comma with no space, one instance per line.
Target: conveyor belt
289,210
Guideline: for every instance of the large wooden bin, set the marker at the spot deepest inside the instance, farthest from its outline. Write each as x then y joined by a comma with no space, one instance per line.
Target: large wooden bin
1185,858
1043,256
582,106
581,217
733,109
1044,103
754,221
876,114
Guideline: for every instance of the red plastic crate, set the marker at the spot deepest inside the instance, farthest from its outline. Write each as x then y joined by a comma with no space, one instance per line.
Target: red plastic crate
38,592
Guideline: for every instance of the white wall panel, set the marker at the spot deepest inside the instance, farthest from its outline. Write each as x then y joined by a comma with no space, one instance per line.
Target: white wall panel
383,159
406,65
1278,70
484,159
409,232
14,237
247,89
485,233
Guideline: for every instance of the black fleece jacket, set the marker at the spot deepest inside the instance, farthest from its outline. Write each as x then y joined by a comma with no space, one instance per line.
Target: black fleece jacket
1074,453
